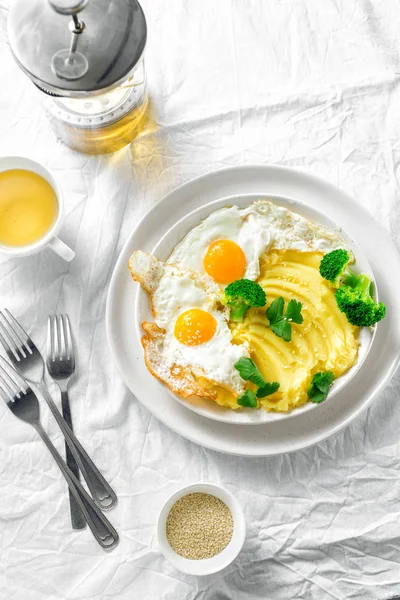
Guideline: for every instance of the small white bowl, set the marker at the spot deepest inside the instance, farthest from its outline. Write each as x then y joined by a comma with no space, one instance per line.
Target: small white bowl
205,566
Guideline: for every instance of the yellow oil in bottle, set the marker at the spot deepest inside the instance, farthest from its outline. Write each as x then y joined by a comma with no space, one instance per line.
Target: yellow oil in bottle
102,123
28,207
106,138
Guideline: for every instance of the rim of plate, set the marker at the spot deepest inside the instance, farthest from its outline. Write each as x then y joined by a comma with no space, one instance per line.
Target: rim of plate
288,435
177,232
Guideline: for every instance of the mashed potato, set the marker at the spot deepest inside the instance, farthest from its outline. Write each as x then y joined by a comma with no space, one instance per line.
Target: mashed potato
324,341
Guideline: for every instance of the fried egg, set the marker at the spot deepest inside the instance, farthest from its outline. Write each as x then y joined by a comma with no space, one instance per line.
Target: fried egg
190,338
228,244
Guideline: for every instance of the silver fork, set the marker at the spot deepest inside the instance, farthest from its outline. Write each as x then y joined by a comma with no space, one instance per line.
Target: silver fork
61,365
22,401
27,359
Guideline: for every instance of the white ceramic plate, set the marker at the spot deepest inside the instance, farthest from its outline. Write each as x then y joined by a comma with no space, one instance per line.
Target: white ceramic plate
175,234
306,427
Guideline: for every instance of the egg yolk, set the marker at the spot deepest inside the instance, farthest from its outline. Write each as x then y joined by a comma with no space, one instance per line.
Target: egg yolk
194,327
225,261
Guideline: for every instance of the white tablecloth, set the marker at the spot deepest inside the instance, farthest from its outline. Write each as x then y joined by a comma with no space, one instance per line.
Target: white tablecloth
307,84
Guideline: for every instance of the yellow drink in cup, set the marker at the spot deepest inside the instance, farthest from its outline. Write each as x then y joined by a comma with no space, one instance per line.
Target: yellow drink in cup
31,209
28,207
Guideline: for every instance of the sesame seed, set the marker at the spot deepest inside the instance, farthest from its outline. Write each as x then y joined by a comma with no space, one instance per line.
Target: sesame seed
199,526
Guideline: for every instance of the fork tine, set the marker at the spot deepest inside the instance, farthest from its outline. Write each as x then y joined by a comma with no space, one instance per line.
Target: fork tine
63,342
18,329
9,383
56,337
21,333
61,337
8,390
50,340
3,392
68,336
13,374
8,329
8,343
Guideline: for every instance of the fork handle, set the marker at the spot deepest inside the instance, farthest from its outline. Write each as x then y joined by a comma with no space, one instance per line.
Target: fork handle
101,528
102,492
77,517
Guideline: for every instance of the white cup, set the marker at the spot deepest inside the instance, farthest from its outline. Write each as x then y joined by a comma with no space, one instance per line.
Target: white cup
50,238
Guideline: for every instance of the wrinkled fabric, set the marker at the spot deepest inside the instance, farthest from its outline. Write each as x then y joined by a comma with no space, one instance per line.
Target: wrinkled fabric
307,84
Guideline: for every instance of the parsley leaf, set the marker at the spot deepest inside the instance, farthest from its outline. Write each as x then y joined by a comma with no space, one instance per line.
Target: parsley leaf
319,388
293,311
268,389
275,311
248,399
282,329
281,323
249,371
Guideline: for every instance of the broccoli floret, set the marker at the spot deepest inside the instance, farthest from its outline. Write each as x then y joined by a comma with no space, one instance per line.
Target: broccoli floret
354,296
242,294
358,305
334,268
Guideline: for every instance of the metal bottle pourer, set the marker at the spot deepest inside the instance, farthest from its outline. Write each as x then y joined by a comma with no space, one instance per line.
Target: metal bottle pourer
69,63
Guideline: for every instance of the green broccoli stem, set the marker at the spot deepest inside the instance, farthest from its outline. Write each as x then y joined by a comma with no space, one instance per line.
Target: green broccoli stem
238,311
364,284
349,278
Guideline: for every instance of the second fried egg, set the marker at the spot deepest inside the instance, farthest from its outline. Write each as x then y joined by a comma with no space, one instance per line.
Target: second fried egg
191,338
